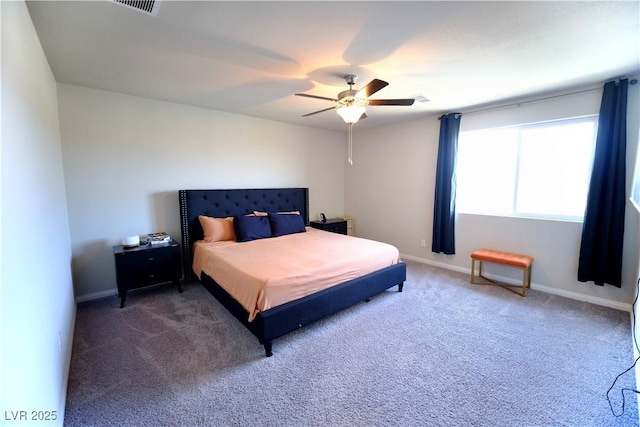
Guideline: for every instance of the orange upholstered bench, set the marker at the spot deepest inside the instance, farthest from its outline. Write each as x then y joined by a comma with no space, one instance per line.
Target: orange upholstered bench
522,262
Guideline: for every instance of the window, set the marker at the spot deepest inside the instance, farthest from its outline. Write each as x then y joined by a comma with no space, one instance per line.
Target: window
538,170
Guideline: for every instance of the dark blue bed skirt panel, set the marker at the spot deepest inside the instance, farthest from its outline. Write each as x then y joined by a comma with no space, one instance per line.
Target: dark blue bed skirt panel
277,321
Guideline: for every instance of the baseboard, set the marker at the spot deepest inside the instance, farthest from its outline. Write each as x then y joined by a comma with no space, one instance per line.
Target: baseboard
436,264
111,293
543,288
63,403
97,295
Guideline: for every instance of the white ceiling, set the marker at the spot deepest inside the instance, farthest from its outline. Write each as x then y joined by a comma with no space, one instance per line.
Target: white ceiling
251,57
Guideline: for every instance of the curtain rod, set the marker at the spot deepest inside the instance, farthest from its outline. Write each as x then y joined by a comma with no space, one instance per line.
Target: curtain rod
530,101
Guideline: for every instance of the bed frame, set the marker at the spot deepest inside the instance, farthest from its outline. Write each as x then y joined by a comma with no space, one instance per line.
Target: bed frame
280,320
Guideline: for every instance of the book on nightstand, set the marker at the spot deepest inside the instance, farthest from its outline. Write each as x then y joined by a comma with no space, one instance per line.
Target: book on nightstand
158,238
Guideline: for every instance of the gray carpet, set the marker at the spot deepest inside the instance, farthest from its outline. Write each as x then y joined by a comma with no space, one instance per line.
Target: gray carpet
442,353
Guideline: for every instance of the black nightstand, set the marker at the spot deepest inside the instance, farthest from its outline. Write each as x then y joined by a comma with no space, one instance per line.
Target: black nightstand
334,225
147,265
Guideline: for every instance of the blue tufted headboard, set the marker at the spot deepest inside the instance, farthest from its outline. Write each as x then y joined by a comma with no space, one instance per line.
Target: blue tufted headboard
223,203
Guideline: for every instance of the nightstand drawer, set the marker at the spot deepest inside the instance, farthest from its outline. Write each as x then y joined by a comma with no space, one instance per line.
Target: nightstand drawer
146,268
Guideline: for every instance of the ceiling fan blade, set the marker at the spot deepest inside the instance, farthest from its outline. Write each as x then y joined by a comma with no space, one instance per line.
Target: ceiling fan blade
319,111
363,116
373,86
317,97
408,101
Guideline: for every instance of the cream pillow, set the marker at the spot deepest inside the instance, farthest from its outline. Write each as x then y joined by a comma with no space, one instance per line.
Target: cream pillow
217,229
258,213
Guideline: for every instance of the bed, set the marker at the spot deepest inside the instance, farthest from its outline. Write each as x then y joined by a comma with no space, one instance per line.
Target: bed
281,319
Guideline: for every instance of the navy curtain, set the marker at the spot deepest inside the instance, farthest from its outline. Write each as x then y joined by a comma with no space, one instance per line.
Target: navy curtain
601,247
444,205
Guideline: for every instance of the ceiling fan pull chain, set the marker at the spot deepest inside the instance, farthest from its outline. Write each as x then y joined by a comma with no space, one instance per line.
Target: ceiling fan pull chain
350,144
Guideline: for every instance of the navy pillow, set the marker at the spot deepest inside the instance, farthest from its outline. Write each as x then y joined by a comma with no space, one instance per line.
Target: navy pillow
282,224
251,227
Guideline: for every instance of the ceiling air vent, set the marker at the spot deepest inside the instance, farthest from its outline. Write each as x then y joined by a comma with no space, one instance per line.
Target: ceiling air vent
146,6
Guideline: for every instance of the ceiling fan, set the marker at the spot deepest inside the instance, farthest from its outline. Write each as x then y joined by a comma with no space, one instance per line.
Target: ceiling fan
351,103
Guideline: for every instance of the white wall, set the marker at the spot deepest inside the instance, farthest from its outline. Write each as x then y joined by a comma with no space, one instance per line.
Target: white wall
126,157
390,188
38,308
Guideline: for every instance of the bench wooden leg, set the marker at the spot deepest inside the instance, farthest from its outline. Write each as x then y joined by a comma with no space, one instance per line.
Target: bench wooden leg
517,289
473,270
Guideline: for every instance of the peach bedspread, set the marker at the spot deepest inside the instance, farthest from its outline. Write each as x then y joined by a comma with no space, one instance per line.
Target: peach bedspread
264,273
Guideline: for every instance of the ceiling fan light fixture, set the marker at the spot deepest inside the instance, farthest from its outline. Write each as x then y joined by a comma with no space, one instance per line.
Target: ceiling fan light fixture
351,113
